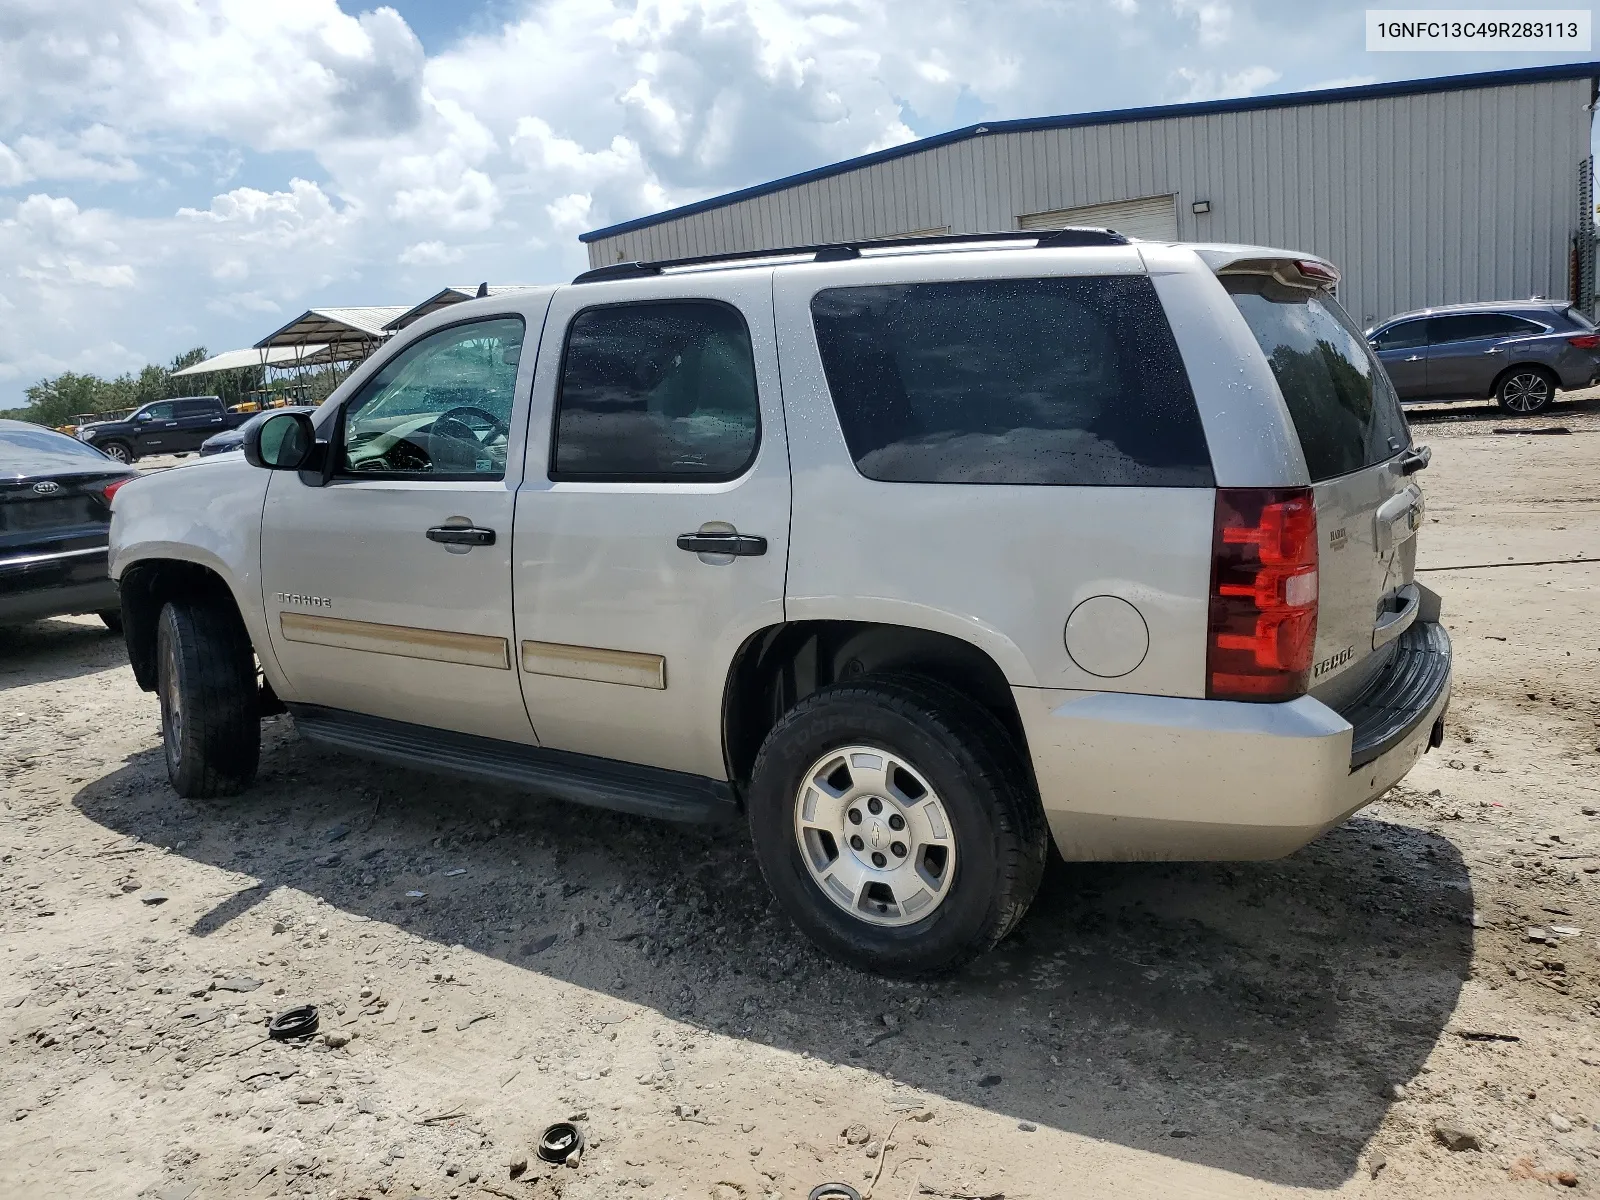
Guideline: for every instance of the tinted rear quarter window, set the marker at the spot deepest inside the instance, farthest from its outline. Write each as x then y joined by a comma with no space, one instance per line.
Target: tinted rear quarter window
1344,408
1017,381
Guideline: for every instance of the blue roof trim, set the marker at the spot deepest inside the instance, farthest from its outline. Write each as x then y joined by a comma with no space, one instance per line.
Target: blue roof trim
1370,91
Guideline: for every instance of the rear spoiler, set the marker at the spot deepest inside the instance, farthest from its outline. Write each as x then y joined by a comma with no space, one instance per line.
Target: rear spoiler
1290,268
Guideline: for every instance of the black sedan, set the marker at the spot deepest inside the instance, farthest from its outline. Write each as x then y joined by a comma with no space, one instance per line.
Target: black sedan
55,522
232,439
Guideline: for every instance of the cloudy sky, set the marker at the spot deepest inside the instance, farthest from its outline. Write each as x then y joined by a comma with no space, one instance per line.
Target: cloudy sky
182,172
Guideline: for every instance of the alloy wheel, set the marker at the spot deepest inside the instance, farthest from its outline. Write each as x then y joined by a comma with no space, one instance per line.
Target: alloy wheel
874,835
1526,393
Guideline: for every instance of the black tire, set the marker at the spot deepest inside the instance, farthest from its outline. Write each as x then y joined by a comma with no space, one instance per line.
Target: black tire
118,451
206,680
1526,391
976,772
112,618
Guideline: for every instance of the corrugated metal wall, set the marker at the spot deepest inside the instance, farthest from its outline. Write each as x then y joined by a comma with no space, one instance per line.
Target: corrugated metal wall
1423,199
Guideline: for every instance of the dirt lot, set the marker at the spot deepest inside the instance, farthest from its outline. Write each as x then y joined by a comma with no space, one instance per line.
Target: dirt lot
497,963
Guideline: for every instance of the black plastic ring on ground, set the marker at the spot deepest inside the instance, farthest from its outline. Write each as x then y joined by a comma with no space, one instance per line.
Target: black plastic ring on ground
560,1142
834,1191
294,1023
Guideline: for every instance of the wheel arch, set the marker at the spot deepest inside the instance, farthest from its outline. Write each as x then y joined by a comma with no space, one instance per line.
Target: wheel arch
146,586
778,666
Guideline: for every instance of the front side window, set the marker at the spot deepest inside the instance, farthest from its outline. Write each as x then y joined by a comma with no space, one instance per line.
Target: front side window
441,407
655,392
1402,336
1340,399
165,411
1011,381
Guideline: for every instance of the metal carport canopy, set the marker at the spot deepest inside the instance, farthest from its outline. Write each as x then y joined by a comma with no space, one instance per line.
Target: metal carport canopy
337,328
275,356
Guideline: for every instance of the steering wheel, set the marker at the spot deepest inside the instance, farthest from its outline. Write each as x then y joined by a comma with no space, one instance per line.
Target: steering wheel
453,444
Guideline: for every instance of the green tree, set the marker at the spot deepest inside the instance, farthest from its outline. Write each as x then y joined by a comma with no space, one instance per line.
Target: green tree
56,401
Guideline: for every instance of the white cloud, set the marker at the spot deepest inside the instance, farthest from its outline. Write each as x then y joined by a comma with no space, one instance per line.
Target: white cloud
1214,85
430,254
1213,18
372,166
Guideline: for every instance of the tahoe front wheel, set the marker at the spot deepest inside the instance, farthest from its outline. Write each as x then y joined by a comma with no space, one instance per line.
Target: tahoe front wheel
206,681
897,825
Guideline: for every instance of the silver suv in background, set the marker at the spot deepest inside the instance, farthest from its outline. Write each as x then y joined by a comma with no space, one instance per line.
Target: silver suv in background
916,557
1518,352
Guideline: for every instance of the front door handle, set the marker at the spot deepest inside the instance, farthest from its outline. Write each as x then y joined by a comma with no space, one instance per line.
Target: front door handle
461,535
743,544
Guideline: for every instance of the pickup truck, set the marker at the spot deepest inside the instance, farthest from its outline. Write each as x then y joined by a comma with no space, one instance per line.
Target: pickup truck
172,426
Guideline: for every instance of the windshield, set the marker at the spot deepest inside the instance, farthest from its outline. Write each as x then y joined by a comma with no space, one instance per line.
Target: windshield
1341,401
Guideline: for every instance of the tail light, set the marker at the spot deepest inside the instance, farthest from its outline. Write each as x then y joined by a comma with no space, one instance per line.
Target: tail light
1310,268
1263,624
115,486
1585,341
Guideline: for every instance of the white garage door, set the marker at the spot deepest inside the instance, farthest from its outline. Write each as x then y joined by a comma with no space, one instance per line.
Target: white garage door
1151,217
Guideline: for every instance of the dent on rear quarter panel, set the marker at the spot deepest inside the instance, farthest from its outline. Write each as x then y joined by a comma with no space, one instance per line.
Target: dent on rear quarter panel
1247,424
207,512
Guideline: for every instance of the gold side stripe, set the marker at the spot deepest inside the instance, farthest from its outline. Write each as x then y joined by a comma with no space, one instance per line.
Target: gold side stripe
594,664
435,645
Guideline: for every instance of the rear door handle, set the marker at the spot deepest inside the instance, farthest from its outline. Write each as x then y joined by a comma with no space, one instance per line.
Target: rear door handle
743,544
1398,616
1494,350
459,535
1415,358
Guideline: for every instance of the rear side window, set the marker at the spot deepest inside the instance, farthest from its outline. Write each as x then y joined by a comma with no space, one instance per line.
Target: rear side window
197,408
1011,381
1341,401
1469,326
654,392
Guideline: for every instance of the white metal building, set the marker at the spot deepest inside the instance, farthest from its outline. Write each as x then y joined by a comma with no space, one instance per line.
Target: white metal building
1432,191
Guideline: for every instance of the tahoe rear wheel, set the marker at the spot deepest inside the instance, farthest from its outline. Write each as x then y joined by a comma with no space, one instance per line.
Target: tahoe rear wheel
206,680
1525,391
897,825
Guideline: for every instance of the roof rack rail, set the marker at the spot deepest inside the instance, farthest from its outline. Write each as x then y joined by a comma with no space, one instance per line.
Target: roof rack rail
1043,239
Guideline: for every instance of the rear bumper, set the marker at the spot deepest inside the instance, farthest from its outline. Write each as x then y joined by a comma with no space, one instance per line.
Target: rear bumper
34,585
1126,777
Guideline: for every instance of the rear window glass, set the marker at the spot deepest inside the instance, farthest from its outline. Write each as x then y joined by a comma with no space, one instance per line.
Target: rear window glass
31,451
1014,381
1579,319
1341,401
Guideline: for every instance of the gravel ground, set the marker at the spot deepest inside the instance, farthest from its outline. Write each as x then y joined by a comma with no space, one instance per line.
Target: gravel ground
488,963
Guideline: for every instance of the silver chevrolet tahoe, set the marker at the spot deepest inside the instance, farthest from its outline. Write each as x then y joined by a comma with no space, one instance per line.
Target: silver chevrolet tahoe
920,557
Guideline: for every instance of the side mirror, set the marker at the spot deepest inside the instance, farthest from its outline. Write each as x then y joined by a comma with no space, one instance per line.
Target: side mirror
282,442
143,416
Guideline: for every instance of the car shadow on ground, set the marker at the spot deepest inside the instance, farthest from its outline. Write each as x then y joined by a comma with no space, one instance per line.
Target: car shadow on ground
55,649
1488,412
1247,1017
